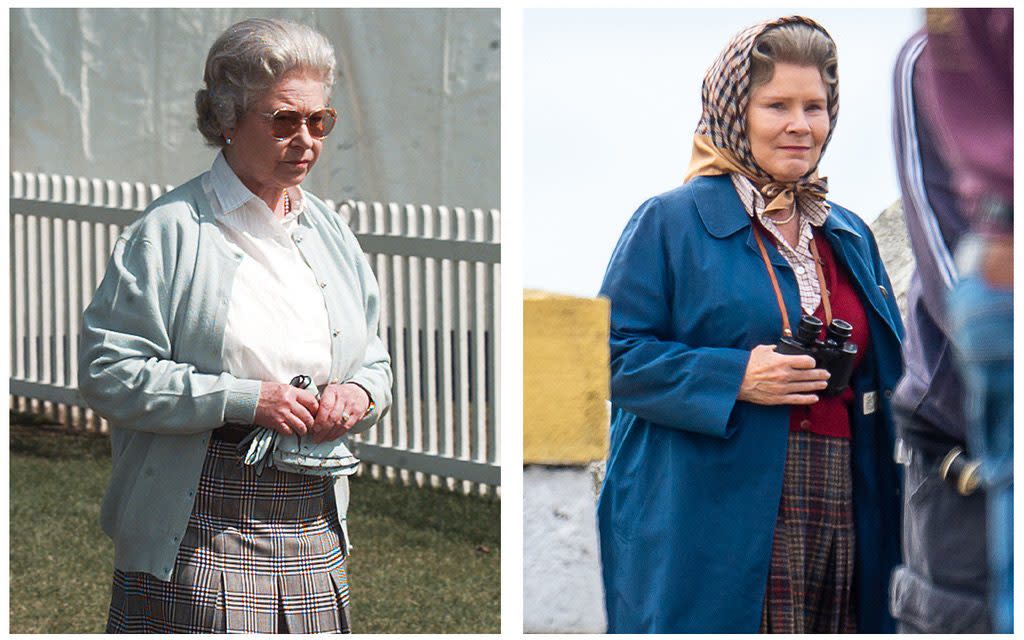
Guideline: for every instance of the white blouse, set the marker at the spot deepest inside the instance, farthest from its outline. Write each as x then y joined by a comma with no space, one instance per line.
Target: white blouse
277,324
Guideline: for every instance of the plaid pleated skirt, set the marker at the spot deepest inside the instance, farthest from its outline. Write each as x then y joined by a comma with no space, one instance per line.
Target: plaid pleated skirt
811,573
260,555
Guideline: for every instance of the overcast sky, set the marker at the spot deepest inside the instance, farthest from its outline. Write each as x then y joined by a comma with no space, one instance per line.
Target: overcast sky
612,97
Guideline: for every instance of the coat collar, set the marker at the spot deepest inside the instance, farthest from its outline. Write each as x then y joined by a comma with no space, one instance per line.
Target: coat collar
722,213
719,206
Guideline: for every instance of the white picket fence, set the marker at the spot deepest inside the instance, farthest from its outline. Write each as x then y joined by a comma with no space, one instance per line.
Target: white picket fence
439,275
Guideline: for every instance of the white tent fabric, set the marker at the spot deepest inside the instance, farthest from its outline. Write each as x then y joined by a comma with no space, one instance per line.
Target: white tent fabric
109,93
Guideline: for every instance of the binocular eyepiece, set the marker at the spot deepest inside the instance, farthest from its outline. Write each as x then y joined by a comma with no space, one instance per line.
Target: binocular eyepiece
835,353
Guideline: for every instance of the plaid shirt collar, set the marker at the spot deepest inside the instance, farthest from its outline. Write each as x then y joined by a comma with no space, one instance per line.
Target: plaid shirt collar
811,215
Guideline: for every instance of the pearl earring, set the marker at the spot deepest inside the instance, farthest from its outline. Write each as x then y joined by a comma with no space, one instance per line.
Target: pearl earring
229,140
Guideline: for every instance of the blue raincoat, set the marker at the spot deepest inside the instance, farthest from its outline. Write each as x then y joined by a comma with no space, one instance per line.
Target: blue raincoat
688,507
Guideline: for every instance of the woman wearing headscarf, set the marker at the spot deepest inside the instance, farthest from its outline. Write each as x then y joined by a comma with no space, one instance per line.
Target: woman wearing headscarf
745,489
230,294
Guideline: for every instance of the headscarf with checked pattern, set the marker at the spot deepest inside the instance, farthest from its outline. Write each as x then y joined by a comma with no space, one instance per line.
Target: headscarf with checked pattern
721,145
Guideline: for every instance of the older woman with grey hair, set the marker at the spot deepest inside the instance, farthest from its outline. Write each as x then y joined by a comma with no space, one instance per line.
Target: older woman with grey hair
227,499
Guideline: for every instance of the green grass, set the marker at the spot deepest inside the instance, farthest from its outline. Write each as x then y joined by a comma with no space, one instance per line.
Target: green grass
425,560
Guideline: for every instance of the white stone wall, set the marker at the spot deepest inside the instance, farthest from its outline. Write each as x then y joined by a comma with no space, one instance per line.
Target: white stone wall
561,559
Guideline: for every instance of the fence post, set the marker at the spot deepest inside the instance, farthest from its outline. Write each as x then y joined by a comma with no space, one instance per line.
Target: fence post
565,428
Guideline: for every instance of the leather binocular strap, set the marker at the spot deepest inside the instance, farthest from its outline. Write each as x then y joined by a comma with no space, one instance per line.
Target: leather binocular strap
786,329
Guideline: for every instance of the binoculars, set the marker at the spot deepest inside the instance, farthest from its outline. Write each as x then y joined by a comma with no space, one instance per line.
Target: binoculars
833,354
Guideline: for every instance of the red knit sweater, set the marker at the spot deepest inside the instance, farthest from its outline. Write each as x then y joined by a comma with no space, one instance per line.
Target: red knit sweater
830,416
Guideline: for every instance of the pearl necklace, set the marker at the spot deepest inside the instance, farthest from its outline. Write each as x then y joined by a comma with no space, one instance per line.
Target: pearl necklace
287,202
781,222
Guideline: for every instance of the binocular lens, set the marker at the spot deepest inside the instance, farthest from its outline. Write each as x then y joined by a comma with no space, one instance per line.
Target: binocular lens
840,330
808,329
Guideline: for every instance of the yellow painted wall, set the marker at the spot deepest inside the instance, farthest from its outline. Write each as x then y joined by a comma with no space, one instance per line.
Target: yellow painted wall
565,379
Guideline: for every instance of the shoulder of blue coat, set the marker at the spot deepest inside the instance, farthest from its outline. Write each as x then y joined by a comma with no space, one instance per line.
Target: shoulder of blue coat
687,194
845,219
676,204
847,215
713,201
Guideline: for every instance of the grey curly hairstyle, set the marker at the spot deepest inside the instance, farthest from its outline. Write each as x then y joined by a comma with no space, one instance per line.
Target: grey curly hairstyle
247,60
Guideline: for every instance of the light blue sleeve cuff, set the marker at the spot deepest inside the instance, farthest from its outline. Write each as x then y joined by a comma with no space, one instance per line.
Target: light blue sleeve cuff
243,397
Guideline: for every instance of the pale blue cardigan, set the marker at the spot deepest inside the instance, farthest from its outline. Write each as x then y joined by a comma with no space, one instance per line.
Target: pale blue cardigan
151,360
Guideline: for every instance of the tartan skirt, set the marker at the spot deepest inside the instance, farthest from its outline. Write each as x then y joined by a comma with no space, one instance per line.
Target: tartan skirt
811,573
260,555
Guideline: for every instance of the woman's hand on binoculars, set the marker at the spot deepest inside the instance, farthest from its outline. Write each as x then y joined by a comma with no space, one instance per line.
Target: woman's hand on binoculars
341,407
285,409
773,378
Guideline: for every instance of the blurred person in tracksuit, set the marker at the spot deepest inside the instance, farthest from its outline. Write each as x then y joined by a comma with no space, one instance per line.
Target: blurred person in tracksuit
953,130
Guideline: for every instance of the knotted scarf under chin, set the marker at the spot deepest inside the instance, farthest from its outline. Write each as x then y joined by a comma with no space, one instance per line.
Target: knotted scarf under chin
709,160
780,196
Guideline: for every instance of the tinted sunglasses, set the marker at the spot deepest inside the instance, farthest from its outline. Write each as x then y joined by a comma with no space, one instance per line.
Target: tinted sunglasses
285,123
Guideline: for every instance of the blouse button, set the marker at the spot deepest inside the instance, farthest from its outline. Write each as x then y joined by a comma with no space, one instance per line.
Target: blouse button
805,425
323,285
335,333
801,270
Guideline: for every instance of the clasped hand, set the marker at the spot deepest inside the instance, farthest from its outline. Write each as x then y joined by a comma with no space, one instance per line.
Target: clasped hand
289,410
773,378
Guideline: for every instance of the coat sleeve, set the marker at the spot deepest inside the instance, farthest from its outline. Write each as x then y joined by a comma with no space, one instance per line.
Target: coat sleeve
127,372
653,375
374,376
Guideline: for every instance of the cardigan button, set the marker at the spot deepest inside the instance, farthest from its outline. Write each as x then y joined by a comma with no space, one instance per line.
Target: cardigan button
888,393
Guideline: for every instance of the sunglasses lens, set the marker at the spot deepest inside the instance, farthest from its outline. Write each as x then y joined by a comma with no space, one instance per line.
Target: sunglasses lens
320,123
286,123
